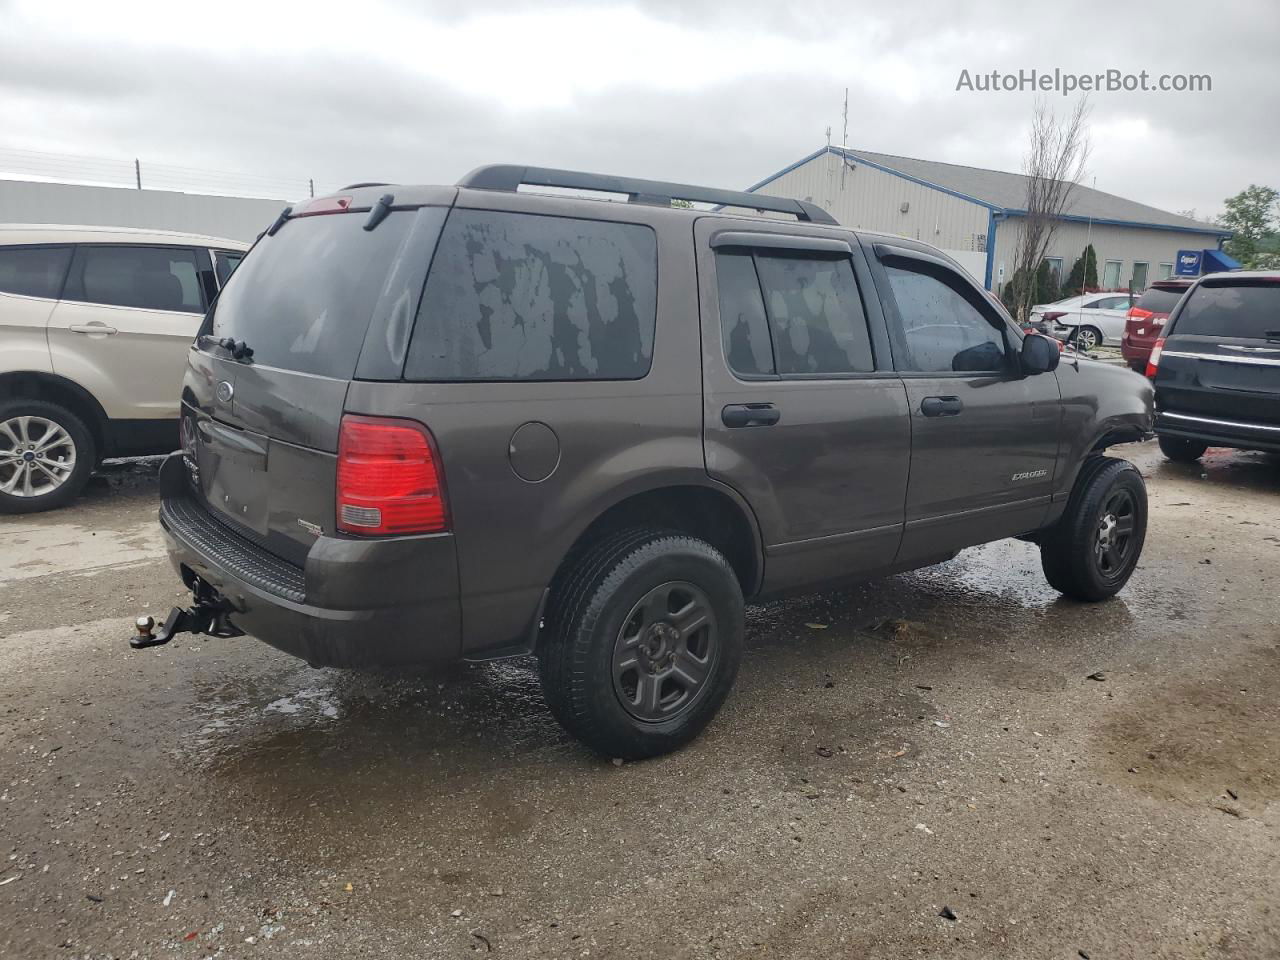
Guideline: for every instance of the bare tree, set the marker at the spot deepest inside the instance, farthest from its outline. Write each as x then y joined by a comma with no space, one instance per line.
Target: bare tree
1057,152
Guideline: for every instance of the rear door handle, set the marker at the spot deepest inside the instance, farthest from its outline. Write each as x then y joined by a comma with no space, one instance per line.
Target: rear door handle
941,406
97,326
750,415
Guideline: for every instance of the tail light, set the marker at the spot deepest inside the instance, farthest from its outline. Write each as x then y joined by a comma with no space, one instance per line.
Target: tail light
1054,314
389,478
1153,361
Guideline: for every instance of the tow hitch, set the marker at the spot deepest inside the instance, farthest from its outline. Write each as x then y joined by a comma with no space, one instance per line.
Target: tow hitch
208,615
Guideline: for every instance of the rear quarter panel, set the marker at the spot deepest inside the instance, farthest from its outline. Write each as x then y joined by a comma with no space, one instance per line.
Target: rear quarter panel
615,439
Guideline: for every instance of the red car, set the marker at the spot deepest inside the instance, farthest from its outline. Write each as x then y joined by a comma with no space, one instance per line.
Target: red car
1147,318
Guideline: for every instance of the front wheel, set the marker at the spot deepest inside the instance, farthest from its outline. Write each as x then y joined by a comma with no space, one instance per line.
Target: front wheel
1091,552
1182,451
46,455
644,640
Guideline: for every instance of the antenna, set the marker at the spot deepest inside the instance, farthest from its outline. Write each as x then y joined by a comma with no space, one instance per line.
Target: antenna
844,138
1084,274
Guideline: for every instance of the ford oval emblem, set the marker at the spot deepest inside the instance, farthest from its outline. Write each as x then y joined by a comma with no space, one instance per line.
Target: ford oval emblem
224,390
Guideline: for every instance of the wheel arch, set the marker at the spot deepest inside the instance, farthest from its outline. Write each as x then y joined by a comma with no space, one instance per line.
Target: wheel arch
707,510
38,385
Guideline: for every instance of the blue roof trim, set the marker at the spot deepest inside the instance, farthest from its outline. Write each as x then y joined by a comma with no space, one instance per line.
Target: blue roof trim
1106,222
774,176
924,183
849,154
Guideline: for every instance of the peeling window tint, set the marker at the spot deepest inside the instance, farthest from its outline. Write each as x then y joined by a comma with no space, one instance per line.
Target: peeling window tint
521,297
815,314
742,319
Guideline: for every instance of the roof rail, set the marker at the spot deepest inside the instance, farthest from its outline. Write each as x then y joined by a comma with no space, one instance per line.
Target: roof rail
508,177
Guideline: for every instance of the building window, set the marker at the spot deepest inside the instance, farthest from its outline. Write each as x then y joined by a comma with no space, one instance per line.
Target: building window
1166,271
1140,271
1055,269
1111,274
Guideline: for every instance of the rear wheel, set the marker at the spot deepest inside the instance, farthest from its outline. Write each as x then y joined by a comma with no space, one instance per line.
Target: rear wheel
644,640
1089,338
46,456
1180,450
1091,552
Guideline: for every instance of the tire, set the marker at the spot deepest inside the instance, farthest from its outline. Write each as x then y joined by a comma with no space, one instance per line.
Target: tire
24,424
1089,338
1182,451
1091,552
617,669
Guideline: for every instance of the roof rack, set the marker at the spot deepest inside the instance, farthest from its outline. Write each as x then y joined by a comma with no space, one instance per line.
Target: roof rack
508,177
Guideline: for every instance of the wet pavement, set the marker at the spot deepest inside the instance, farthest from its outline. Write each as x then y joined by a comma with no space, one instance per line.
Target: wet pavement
1065,780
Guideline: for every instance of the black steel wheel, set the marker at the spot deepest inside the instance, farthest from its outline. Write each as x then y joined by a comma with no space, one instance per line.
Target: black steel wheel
642,642
1091,552
665,652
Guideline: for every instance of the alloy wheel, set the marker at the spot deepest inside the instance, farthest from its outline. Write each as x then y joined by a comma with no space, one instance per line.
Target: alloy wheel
37,456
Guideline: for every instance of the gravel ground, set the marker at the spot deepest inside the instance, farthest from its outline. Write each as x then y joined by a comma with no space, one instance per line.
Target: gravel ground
1063,780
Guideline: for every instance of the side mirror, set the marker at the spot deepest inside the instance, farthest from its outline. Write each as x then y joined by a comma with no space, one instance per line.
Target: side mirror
1040,354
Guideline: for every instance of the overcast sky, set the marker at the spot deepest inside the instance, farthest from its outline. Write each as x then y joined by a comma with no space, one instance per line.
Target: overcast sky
668,89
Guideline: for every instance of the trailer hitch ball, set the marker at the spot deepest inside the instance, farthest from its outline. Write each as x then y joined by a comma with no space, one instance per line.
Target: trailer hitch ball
145,625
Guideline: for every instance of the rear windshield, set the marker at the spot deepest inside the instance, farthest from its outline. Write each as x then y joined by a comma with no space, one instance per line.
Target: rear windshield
1242,309
302,300
1159,301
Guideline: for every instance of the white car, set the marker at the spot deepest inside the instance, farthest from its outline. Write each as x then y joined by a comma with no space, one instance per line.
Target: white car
1100,318
95,324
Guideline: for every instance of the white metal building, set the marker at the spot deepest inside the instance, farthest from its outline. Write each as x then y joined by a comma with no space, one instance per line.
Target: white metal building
233,218
976,215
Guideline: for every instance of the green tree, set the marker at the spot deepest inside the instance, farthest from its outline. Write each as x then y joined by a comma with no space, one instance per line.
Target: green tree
1084,272
1046,284
1252,214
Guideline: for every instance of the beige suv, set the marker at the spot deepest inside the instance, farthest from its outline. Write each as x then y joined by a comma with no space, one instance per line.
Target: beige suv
95,324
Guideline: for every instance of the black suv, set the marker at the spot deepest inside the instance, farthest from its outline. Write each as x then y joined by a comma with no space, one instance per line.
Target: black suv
1217,367
429,423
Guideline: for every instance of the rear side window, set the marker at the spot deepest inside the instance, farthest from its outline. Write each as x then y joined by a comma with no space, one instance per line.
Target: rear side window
944,330
815,314
1246,310
33,271
148,278
523,297
1159,301
304,298
224,263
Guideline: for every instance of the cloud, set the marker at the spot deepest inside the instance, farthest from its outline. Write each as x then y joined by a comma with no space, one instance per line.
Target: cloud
672,90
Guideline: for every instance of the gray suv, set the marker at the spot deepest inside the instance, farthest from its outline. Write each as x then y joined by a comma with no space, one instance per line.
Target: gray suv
431,423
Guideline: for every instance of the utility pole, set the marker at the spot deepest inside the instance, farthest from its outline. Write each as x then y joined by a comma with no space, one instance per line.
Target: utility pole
311,186
844,138
137,171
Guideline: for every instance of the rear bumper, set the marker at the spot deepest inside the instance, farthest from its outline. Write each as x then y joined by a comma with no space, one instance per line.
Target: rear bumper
355,603
1219,432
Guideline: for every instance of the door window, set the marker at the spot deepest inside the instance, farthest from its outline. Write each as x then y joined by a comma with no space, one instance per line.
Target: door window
743,324
815,314
945,330
33,271
1111,274
149,278
224,262
1165,272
